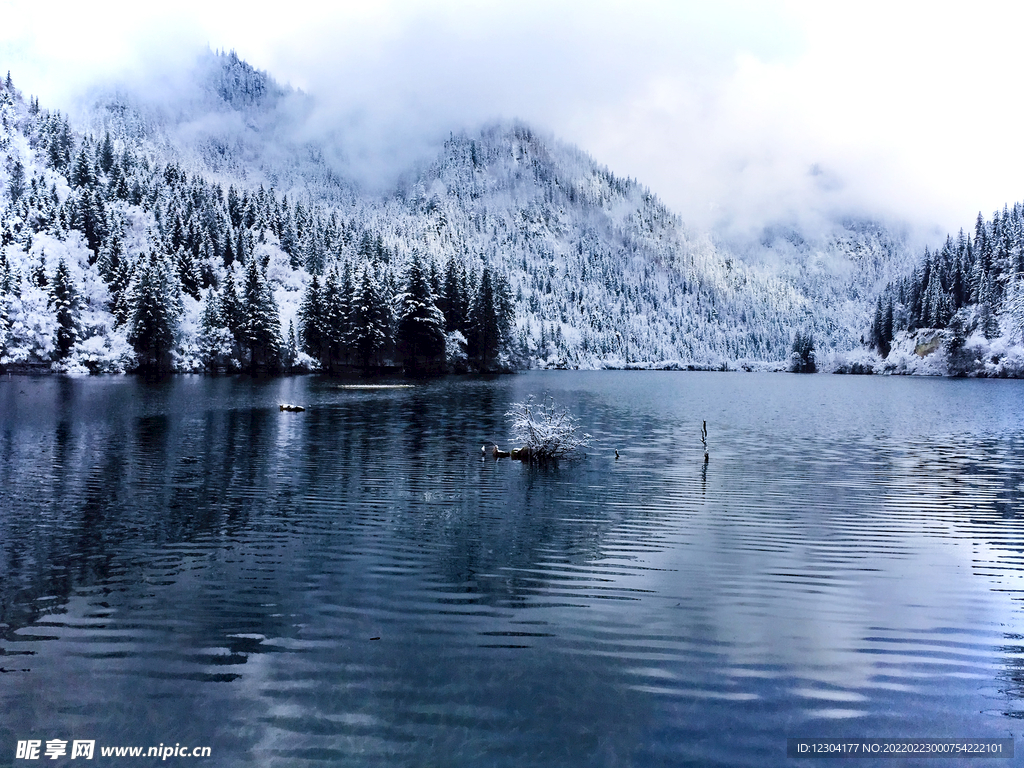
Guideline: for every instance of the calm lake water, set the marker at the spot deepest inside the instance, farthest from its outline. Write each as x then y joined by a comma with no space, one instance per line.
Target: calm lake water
355,585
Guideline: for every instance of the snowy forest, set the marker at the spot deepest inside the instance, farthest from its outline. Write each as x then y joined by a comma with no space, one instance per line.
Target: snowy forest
965,299
199,234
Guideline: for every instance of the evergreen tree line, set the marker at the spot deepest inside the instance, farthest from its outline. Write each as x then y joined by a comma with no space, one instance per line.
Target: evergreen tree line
966,286
361,319
355,318
350,320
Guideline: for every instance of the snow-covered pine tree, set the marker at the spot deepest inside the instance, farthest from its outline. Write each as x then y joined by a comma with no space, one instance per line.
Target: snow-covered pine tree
419,335
288,237
6,298
341,315
987,307
484,340
290,350
371,322
154,312
66,307
453,301
231,310
335,314
313,321
16,181
261,334
105,154
877,338
188,272
119,286
802,357
215,341
1012,319
91,220
83,174
887,327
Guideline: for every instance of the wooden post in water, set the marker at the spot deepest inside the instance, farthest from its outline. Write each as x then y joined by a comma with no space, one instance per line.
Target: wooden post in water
704,440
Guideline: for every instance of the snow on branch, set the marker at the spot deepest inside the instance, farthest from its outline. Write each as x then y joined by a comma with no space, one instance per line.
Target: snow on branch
548,431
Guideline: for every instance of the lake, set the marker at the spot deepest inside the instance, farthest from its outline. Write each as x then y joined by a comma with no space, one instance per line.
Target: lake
183,563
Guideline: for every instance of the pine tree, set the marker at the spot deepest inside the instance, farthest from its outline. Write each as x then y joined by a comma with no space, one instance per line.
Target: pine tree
177,234
313,322
290,240
420,328
215,341
887,330
452,302
341,315
877,334
261,335
16,182
931,303
365,248
371,322
105,154
154,312
61,143
119,286
136,193
336,322
83,174
188,273
290,350
65,303
987,319
313,253
1013,309
802,358
231,311
434,279
242,249
6,297
91,220
484,338
230,251
504,306
39,278
119,184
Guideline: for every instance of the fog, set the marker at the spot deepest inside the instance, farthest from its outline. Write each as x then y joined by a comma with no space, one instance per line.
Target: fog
736,114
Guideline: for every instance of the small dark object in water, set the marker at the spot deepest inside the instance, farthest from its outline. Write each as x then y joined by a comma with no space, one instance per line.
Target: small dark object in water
616,454
289,407
522,454
375,638
519,454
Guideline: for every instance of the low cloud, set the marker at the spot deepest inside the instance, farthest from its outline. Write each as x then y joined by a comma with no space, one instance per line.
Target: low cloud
736,114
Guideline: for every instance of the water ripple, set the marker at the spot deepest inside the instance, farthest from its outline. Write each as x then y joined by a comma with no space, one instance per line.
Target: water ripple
358,586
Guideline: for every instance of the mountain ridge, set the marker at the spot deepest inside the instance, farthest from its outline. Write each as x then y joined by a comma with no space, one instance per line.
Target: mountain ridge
598,271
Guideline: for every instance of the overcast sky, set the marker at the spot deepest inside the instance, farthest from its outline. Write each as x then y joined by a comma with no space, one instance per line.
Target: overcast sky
731,112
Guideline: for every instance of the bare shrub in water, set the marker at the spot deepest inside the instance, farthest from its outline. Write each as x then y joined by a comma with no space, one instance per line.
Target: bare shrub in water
547,431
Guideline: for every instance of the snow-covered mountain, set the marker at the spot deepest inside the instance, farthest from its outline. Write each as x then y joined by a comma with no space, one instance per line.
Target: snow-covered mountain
199,176
228,120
